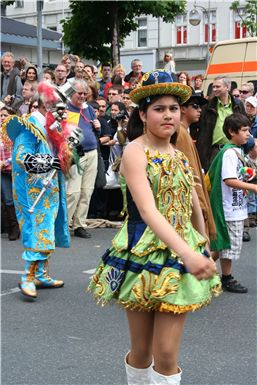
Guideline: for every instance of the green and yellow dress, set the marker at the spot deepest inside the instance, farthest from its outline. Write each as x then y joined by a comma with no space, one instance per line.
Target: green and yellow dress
139,271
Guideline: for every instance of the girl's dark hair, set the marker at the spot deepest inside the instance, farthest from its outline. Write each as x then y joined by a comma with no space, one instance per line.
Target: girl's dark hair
234,122
10,110
135,126
29,68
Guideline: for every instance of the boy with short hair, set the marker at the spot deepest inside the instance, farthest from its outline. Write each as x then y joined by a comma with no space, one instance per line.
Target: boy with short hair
228,198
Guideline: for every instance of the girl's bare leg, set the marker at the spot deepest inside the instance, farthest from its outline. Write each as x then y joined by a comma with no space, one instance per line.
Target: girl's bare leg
141,326
168,330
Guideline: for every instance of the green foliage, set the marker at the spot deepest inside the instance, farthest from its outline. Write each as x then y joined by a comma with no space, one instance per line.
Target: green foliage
249,19
5,3
90,31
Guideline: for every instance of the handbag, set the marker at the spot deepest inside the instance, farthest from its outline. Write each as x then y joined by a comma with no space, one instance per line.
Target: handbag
112,179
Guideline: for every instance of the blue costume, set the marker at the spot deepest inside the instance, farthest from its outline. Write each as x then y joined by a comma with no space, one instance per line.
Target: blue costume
33,160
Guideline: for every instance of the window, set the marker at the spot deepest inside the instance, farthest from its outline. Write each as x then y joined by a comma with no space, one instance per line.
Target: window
18,4
240,30
142,32
53,28
212,27
181,29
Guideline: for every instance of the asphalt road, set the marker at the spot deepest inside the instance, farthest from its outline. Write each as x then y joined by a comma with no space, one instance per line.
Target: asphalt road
65,338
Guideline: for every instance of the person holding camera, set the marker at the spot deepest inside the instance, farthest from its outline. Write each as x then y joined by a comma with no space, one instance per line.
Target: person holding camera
118,123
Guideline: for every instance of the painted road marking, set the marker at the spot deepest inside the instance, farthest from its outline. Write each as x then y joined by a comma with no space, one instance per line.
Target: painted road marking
15,289
10,291
89,271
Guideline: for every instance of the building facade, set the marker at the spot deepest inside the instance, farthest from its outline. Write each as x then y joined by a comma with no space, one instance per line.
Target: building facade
189,44
25,11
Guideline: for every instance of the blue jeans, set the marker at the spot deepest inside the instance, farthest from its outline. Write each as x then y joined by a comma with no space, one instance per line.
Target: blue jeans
6,188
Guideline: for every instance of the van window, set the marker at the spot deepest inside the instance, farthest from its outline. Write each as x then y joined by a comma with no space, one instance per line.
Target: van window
233,85
209,91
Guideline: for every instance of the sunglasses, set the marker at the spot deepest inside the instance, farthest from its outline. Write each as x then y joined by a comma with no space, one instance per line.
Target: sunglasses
35,105
195,106
82,93
244,92
236,96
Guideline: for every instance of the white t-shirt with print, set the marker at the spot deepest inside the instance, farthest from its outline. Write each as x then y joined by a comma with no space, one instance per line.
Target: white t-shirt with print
234,200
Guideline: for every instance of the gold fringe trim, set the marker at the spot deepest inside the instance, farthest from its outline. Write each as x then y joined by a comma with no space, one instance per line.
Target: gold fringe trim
35,130
161,307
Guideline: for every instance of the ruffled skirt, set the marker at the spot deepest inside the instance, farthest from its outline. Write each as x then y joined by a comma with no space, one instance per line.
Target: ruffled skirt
156,281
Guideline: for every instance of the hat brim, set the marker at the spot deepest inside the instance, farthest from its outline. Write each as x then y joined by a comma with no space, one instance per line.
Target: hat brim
173,89
200,100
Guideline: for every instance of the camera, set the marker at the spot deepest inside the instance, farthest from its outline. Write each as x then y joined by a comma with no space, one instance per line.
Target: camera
121,115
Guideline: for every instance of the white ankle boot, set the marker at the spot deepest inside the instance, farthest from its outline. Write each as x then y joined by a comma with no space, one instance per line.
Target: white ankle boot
138,376
160,379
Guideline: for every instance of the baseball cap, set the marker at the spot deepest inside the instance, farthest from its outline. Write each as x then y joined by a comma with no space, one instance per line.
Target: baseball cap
252,100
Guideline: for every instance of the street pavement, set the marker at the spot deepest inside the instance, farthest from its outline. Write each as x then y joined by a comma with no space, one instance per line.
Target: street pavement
63,337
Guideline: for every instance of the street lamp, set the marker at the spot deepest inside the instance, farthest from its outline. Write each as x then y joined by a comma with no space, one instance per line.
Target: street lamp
195,19
40,5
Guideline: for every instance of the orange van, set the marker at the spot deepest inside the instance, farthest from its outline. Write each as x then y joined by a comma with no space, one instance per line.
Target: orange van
236,59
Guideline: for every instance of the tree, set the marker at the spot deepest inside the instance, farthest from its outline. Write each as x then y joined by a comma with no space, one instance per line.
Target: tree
4,4
249,18
97,29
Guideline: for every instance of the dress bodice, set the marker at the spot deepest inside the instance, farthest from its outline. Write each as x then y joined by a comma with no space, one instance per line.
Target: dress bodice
171,181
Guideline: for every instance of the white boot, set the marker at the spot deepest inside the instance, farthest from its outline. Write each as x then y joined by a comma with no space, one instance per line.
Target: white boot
160,379
138,376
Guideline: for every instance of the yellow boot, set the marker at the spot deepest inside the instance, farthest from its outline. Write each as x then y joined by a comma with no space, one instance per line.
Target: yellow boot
27,284
43,280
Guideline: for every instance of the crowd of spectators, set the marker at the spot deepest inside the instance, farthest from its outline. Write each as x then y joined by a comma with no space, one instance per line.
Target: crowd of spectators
103,96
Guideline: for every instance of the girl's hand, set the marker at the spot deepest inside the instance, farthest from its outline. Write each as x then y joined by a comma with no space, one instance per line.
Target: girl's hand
200,266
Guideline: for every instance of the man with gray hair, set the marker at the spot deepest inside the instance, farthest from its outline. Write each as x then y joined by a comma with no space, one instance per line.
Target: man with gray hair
136,66
81,185
11,85
211,136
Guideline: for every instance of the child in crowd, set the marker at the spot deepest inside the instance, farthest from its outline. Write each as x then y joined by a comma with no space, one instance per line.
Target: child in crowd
228,198
157,267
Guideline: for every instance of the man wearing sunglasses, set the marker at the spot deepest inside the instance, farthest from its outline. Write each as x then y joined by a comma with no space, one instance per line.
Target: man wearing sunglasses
211,137
80,186
190,113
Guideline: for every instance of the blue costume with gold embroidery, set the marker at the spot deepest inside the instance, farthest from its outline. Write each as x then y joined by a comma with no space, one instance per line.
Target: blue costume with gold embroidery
139,270
45,227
